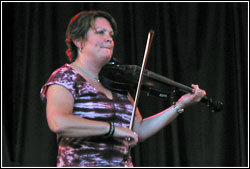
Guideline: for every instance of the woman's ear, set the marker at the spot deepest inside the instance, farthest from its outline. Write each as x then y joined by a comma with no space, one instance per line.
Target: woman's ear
78,43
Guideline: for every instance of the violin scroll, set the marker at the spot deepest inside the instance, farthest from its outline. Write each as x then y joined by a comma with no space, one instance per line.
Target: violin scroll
216,106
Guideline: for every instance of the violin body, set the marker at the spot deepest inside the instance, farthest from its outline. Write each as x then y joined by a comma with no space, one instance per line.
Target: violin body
124,79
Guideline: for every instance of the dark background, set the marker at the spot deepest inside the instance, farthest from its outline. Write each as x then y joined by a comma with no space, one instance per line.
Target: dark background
200,43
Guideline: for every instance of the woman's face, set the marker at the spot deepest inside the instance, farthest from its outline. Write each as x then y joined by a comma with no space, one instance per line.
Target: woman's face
99,41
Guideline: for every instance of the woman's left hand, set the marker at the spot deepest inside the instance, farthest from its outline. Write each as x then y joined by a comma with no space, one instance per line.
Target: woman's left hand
191,98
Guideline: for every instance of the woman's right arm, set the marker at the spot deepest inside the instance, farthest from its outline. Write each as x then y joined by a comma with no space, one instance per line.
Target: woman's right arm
60,103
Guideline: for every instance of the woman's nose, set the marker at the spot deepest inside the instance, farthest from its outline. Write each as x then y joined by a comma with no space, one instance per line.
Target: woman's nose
108,39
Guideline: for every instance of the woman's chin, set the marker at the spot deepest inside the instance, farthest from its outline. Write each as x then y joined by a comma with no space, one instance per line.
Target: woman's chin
106,58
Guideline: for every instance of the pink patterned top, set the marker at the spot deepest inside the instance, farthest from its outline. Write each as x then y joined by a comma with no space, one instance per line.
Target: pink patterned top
92,104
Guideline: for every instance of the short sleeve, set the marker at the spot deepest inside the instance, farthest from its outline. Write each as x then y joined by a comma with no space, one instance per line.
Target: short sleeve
62,76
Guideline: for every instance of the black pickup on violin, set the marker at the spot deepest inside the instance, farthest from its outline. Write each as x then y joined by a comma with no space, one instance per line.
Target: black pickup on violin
123,78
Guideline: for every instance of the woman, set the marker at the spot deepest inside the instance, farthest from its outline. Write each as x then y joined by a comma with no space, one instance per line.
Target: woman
92,122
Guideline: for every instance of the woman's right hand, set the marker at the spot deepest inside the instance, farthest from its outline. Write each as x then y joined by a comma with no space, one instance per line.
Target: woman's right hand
129,135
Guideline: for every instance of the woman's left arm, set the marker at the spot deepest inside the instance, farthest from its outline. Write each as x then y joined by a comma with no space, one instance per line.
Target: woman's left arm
151,125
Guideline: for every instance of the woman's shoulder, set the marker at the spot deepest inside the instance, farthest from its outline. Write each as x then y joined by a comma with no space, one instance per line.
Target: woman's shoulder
64,76
63,71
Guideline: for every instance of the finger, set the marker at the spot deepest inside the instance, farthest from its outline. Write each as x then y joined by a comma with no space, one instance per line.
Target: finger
193,91
134,139
195,87
200,94
204,92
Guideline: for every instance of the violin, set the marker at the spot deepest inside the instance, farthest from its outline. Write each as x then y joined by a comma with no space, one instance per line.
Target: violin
124,78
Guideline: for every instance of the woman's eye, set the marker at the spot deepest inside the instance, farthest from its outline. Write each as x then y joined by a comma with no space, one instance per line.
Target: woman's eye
100,32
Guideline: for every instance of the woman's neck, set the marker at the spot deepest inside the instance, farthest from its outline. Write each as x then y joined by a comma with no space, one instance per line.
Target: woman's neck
91,67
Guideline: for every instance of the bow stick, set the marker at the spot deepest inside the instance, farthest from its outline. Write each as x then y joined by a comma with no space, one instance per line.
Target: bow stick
138,90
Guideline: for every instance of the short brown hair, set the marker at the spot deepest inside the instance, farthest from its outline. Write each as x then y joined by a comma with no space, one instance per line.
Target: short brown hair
79,26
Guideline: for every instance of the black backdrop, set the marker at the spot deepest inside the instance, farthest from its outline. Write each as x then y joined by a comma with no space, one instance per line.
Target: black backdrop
203,43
